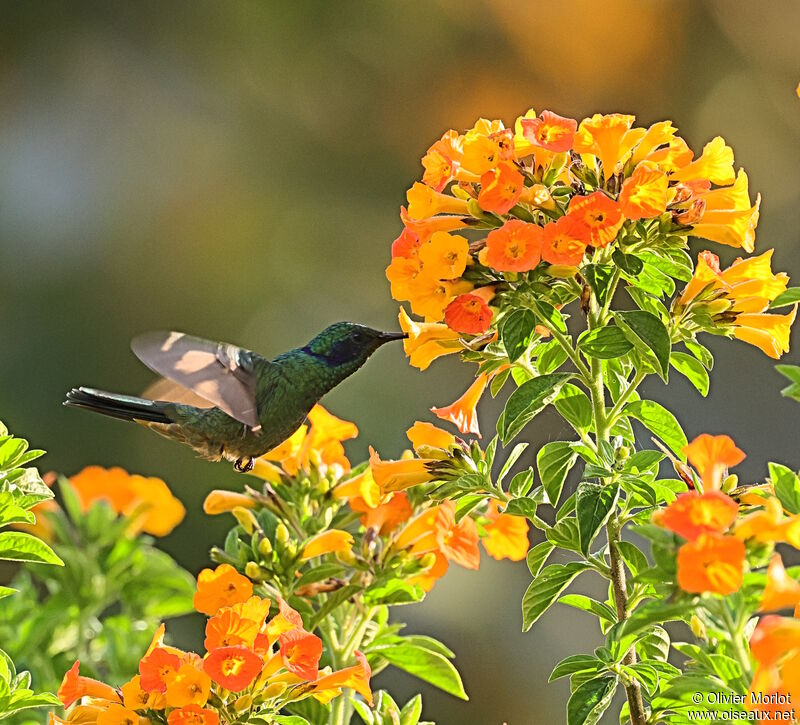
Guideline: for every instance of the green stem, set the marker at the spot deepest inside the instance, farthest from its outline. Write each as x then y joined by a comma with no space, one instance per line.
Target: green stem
341,711
625,396
736,639
565,345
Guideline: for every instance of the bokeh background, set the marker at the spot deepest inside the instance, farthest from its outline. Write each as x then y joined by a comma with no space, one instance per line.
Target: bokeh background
234,169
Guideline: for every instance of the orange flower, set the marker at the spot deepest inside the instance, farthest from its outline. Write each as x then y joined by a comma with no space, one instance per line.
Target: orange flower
442,160
327,542
424,434
300,652
457,541
705,273
193,715
424,228
74,687
429,296
399,475
406,245
728,217
222,587
468,314
361,487
500,188
506,535
610,138
356,678
286,620
111,485
156,667
711,456
774,638
427,578
188,686
514,247
463,412
424,202
693,513
781,590
81,714
764,525
550,131
228,628
444,256
658,135
384,517
426,341
402,273
233,668
645,194
118,715
711,563
135,697
769,333
564,241
714,164
601,214
220,502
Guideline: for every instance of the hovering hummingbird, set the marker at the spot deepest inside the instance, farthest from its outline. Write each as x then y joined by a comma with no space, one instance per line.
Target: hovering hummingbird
232,403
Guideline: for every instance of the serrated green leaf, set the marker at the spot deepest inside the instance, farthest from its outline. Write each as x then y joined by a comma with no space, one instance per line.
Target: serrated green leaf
648,335
604,343
545,588
589,701
658,420
554,461
594,504
692,369
528,400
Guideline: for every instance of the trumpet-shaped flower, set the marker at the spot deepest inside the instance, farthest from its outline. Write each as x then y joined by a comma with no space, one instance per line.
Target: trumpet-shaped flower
564,241
430,296
658,135
116,714
356,678
500,188
693,513
426,341
220,501
188,686
300,652
156,667
769,333
601,214
711,563
463,412
468,314
442,159
550,131
514,247
424,202
506,534
74,686
444,256
711,457
781,591
610,138
714,164
327,542
645,194
233,668
398,475
221,587
424,434
193,715
135,697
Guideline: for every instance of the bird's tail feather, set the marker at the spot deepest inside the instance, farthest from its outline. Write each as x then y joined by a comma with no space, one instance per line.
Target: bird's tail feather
123,407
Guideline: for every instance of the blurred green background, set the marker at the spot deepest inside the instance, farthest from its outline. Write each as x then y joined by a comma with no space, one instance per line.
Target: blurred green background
234,170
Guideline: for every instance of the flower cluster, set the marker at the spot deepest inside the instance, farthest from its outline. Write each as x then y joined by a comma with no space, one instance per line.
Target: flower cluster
254,665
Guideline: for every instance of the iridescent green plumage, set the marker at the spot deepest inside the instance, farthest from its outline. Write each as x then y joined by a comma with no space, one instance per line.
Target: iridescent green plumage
283,390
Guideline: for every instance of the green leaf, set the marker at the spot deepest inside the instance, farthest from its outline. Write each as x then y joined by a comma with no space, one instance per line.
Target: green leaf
516,452
648,335
545,588
576,663
589,701
693,369
551,316
790,297
792,372
19,546
427,665
551,357
521,483
528,400
633,556
702,353
787,487
604,343
289,720
522,506
333,600
628,263
594,504
599,277
412,711
395,591
657,419
587,604
575,407
554,461
516,332
538,555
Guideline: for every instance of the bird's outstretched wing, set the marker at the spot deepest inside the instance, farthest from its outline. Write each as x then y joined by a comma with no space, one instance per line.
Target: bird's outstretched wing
221,374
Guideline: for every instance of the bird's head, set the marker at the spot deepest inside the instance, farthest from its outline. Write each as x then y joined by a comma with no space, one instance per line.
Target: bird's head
348,345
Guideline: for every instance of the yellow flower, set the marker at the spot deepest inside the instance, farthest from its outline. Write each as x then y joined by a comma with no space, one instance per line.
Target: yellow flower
728,217
645,193
424,202
399,475
781,590
423,434
610,138
770,333
714,164
429,296
328,542
444,256
658,135
463,412
188,686
220,502
427,341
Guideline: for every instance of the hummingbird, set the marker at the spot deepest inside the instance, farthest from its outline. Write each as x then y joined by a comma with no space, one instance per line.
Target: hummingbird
228,403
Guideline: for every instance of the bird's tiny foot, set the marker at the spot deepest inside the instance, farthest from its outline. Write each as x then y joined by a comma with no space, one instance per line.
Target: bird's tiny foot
245,464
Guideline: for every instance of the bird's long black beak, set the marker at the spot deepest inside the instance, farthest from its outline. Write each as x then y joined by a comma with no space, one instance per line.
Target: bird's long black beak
389,336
